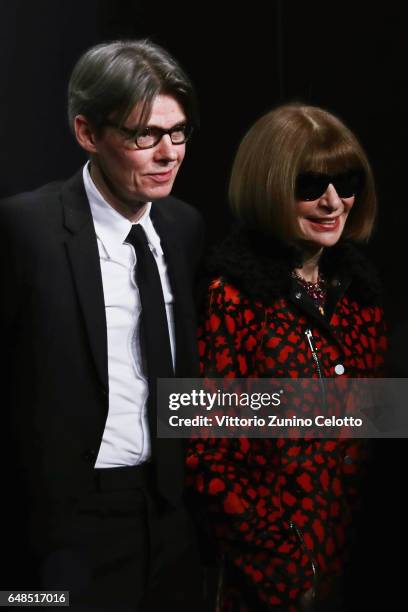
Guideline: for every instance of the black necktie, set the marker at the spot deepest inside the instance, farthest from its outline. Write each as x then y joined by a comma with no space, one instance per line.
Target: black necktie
156,343
154,320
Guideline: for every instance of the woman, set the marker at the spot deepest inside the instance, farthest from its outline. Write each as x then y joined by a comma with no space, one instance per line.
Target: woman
290,296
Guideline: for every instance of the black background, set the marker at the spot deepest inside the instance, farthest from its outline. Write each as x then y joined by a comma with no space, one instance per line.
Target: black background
349,57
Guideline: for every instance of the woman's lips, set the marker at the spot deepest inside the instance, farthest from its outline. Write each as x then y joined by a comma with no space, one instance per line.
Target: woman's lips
325,225
162,177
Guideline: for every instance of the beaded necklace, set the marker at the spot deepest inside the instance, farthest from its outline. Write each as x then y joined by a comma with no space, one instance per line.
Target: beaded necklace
316,291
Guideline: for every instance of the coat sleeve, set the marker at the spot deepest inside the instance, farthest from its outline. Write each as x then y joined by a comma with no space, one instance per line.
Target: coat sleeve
357,453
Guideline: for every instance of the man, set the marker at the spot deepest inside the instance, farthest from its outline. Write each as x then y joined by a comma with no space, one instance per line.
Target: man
97,304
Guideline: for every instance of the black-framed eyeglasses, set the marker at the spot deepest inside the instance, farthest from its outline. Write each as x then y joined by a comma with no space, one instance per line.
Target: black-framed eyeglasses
312,185
150,136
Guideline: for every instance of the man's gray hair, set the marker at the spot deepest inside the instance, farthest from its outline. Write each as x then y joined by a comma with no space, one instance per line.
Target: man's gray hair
111,78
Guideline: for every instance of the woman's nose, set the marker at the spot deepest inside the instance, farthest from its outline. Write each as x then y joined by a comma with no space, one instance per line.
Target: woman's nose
330,198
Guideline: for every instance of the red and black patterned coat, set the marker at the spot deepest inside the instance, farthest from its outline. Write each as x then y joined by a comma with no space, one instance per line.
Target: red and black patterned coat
280,508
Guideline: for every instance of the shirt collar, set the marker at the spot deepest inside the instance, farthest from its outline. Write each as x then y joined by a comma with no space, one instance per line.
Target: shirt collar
111,227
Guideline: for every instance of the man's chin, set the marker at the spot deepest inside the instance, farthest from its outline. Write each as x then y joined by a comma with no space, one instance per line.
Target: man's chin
155,193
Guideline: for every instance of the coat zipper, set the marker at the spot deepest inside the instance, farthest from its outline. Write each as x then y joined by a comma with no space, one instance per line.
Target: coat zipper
298,532
309,336
308,553
219,598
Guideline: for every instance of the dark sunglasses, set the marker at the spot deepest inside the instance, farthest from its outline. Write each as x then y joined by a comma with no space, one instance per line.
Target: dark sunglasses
312,185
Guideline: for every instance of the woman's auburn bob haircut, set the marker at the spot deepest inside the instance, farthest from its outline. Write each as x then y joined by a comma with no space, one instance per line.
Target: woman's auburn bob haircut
281,145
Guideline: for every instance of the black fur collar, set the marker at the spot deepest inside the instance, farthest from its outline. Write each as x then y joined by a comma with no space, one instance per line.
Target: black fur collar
261,267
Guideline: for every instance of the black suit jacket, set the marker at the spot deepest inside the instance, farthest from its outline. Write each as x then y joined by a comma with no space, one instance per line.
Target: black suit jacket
54,351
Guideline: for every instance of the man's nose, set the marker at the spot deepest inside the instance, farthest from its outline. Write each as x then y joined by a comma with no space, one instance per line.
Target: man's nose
165,149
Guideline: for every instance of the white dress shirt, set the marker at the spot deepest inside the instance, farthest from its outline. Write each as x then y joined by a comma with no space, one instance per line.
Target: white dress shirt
126,439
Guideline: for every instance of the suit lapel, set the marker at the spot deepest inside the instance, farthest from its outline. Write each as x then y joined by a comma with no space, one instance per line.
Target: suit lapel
82,249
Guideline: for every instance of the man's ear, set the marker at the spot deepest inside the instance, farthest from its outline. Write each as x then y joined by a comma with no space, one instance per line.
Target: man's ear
85,134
